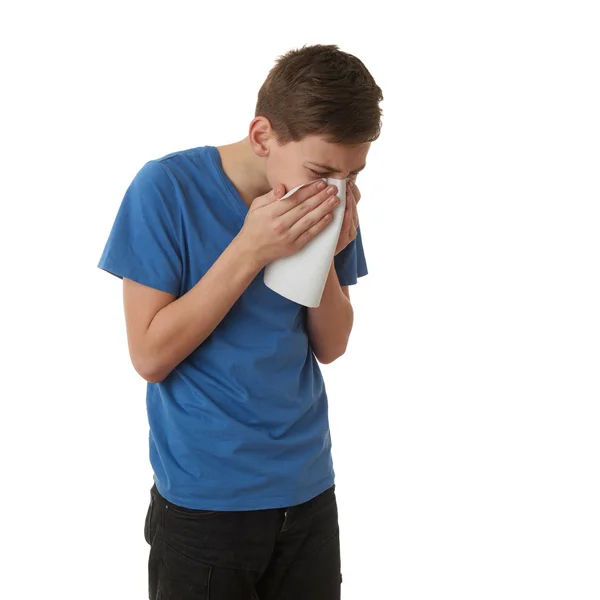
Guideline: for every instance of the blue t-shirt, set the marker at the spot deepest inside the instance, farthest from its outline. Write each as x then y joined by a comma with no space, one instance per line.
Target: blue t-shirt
241,423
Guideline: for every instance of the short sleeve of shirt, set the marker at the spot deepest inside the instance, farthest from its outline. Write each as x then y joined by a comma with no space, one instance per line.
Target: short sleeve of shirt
350,263
143,244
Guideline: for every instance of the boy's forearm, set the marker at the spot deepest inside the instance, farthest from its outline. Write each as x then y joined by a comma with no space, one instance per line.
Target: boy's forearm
181,326
329,325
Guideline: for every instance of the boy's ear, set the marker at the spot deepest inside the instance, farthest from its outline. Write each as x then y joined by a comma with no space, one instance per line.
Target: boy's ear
260,135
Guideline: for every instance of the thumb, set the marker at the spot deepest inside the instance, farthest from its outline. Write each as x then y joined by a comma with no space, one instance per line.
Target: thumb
279,191
271,196
275,194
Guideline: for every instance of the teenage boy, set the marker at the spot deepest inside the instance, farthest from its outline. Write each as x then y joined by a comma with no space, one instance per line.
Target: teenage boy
243,503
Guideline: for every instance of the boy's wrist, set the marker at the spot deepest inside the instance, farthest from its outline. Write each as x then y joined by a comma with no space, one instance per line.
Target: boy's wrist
247,254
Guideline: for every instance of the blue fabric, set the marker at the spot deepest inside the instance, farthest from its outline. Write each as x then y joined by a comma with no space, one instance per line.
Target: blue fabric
242,423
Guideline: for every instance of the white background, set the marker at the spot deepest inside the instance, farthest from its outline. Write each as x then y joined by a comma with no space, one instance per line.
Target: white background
465,413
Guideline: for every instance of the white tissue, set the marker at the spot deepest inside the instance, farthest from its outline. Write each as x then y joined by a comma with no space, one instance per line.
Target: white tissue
302,276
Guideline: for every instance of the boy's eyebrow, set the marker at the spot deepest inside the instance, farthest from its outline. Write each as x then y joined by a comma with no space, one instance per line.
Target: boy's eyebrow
333,170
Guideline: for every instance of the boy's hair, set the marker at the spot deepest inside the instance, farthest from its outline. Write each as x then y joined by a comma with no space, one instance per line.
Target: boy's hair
320,90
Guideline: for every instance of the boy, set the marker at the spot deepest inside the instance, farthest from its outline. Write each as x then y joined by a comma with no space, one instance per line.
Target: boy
243,503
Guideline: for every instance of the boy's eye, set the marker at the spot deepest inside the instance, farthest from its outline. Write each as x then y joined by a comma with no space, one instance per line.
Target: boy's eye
352,175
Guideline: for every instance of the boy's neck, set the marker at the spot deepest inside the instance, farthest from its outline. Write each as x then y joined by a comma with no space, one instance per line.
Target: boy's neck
245,170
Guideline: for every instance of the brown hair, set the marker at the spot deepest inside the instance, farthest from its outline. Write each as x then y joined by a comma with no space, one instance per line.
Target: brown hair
320,90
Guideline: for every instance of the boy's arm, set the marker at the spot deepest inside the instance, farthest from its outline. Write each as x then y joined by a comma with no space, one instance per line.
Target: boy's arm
329,325
162,331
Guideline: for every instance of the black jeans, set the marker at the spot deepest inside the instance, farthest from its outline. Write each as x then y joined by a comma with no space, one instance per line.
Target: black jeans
270,554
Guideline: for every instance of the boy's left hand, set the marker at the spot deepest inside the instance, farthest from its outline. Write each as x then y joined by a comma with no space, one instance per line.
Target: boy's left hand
350,224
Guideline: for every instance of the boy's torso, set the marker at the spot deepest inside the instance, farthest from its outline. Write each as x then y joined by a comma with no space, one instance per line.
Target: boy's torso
241,423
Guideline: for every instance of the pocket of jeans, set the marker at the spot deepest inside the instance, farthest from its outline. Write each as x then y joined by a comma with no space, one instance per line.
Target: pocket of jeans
325,521
148,521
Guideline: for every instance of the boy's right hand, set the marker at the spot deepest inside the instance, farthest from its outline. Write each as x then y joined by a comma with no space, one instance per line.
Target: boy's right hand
275,228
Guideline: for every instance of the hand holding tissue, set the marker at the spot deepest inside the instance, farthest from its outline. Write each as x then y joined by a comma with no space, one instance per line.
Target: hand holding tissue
302,276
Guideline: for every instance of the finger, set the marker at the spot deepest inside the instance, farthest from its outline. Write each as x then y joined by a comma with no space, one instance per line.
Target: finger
284,205
353,202
355,192
348,218
322,208
313,231
278,192
269,198
322,199
291,217
354,214
348,232
345,229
